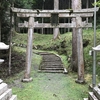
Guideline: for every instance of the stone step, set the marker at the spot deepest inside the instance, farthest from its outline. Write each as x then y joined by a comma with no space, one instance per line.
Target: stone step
44,53
59,65
52,62
52,68
51,59
51,71
43,64
96,91
99,85
1,81
14,97
51,65
92,96
50,54
86,99
3,88
6,95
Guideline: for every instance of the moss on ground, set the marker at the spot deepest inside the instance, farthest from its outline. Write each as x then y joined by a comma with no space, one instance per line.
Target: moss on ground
49,86
46,86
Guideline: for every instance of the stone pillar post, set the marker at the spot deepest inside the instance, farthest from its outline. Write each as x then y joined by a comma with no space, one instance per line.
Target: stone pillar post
76,4
27,77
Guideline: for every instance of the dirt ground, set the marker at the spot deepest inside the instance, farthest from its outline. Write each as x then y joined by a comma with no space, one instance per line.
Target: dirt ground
17,64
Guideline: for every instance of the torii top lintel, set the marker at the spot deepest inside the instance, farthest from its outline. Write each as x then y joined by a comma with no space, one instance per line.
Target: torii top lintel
47,13
89,10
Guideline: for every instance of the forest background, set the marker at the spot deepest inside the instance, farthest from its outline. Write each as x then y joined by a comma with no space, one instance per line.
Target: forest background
33,4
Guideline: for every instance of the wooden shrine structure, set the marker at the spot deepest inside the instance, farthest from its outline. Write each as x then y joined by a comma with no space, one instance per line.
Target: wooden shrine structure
55,14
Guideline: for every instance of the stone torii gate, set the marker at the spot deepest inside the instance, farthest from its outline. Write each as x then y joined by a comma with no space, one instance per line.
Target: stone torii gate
31,14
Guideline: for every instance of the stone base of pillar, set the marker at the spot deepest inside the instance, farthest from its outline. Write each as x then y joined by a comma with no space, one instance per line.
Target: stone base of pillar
65,71
91,86
27,80
1,81
80,81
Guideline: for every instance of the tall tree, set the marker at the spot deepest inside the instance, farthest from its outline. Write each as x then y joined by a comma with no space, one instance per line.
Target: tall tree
4,18
24,3
74,42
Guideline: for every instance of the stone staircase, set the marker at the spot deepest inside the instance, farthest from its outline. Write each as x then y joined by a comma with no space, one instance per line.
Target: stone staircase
95,95
51,63
5,92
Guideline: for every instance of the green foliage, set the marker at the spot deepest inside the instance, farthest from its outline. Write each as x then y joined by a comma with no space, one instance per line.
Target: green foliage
89,59
98,3
24,3
38,4
3,5
19,38
5,14
4,19
45,42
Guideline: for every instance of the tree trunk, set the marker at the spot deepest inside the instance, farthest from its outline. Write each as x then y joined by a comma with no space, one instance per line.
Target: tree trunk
16,24
11,31
74,50
56,4
0,29
0,24
87,6
69,18
74,41
56,30
42,22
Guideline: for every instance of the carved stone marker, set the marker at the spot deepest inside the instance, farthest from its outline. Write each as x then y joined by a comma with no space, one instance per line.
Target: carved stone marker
97,48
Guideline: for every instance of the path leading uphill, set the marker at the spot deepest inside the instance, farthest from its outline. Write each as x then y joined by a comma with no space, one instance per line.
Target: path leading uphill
49,86
51,63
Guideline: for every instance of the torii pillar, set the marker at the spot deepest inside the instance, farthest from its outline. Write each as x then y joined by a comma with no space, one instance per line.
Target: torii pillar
27,77
79,42
55,29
